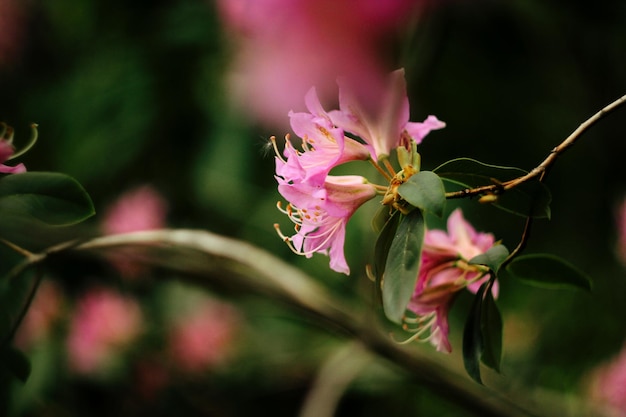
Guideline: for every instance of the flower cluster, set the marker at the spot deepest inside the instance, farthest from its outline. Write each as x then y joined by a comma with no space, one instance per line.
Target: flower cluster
445,271
321,204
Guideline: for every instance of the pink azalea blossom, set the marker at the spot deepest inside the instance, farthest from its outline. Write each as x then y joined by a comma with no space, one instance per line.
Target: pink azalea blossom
324,146
444,271
285,46
103,325
6,151
381,126
320,215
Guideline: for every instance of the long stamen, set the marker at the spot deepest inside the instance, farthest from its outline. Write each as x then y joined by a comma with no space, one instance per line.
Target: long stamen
379,169
275,146
389,167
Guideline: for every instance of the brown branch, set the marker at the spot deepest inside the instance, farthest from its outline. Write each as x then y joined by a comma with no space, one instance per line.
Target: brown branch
543,167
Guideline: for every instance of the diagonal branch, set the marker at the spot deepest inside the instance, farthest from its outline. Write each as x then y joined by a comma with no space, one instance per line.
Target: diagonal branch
541,169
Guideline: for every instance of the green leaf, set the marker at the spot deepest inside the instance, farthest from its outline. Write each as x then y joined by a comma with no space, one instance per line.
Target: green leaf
472,337
425,191
531,198
382,215
493,258
402,265
482,335
491,329
383,243
16,363
52,198
548,271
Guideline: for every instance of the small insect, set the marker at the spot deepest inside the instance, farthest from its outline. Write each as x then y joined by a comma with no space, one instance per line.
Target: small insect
267,146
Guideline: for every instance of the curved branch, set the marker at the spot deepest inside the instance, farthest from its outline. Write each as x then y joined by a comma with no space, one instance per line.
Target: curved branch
541,169
206,257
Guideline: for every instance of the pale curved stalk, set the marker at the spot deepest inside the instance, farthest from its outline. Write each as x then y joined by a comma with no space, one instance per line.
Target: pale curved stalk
207,259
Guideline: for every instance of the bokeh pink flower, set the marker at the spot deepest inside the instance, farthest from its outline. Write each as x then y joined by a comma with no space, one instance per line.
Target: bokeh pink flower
285,46
104,325
141,208
607,387
444,272
204,337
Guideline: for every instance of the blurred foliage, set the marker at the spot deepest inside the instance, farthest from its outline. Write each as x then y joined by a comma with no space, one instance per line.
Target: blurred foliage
129,92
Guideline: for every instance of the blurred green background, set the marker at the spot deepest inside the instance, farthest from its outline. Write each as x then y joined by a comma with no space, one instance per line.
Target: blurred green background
134,92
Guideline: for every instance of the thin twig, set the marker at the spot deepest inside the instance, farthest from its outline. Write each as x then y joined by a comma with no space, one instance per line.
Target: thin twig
542,168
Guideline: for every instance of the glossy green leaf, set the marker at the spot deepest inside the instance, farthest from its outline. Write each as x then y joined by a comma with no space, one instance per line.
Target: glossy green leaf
402,265
472,337
548,271
425,190
491,329
381,249
52,198
382,215
493,258
531,198
482,335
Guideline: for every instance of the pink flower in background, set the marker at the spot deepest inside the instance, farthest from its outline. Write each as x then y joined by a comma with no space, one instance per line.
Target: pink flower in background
44,311
103,325
608,385
444,271
142,208
203,338
288,45
320,215
382,125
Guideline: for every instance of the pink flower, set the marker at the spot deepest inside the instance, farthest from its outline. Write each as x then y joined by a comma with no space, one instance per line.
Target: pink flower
288,45
444,271
608,385
204,337
142,208
103,325
383,125
320,215
324,146
6,151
